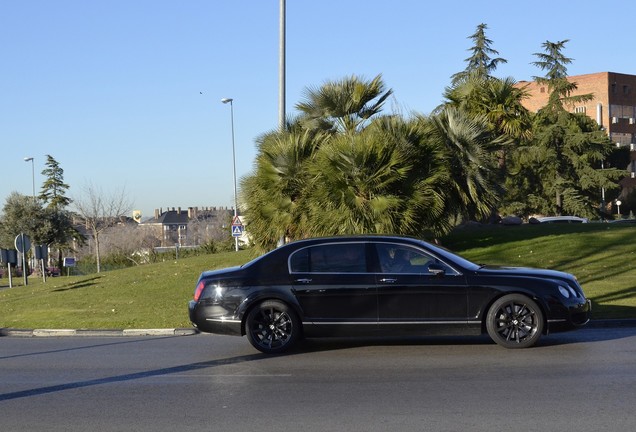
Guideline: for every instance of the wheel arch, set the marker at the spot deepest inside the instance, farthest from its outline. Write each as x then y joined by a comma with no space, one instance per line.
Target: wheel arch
538,300
258,298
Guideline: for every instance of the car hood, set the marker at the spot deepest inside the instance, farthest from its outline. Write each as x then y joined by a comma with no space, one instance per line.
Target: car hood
524,272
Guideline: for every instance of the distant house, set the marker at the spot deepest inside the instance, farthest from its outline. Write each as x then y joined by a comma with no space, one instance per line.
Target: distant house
178,227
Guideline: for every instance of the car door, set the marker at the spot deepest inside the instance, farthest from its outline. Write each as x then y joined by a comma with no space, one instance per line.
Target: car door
334,288
417,292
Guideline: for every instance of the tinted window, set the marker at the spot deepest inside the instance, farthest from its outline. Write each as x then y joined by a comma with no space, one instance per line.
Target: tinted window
330,258
402,259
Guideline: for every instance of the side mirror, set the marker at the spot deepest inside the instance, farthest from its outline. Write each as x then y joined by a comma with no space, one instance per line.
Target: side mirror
436,269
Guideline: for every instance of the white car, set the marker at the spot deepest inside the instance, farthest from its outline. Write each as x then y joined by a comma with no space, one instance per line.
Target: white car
559,219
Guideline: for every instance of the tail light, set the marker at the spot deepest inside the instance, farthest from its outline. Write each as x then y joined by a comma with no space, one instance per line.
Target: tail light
199,290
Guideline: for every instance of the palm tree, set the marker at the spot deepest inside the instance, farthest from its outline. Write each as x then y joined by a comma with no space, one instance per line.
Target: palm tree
470,190
343,106
373,182
275,192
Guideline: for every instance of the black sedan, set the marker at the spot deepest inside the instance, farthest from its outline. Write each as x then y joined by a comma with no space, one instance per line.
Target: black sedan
382,285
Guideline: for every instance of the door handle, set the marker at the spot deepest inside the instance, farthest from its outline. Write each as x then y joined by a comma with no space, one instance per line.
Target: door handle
388,280
303,281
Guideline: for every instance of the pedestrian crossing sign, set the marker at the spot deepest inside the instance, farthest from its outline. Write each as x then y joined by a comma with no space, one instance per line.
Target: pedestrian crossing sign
237,230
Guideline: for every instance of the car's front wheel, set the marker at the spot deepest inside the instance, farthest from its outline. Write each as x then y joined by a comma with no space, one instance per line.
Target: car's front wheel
272,327
515,321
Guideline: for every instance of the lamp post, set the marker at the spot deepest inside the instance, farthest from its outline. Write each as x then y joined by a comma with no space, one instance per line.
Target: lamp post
225,101
281,65
30,159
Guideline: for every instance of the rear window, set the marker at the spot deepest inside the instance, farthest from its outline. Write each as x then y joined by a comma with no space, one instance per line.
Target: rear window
330,258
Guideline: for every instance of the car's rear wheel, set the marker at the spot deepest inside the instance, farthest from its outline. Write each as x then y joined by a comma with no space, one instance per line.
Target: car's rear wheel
515,321
272,327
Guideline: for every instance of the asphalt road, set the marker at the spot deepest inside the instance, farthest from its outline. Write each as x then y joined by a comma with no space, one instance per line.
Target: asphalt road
583,381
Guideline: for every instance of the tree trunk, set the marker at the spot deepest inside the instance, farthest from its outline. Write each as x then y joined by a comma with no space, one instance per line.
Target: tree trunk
97,257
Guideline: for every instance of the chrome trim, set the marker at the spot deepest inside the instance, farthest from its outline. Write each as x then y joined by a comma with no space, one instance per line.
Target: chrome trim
424,322
340,323
385,322
224,320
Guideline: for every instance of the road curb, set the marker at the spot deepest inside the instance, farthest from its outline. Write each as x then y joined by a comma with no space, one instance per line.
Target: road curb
596,324
612,323
97,333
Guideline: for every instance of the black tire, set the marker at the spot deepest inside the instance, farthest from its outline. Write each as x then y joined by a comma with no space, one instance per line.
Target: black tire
515,321
272,327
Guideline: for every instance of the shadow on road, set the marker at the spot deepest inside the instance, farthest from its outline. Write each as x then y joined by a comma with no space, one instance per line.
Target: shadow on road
129,377
552,340
316,345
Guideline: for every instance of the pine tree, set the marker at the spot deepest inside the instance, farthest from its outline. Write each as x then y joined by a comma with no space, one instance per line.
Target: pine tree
54,188
480,63
558,171
560,89
58,220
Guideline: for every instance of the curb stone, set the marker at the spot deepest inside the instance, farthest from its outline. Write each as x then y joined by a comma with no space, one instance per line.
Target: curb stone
610,323
596,324
97,333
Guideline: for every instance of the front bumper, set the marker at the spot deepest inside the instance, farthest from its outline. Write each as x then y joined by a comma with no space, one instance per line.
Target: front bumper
572,317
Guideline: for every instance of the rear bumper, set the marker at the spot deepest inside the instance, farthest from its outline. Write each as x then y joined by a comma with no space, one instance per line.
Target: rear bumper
204,318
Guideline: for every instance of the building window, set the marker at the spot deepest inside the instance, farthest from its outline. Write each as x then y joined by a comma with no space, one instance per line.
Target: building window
542,90
621,139
626,90
580,110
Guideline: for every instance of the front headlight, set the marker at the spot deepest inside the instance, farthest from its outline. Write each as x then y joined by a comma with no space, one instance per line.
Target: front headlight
564,291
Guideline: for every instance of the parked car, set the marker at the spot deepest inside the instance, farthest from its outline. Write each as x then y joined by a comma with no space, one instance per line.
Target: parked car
382,285
559,219
623,221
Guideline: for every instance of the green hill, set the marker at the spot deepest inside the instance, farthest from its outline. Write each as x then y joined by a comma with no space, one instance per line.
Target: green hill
155,295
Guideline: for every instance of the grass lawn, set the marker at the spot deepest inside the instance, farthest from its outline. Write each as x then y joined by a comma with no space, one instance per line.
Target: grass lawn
602,256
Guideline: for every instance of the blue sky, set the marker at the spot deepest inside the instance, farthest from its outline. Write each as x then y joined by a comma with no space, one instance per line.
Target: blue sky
126,94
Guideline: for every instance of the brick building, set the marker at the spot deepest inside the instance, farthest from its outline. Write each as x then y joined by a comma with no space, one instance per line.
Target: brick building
613,107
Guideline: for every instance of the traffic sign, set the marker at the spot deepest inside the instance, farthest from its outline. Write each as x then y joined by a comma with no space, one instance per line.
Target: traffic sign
237,230
237,220
22,243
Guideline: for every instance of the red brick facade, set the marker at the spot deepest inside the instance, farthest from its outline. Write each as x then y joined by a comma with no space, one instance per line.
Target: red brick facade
613,106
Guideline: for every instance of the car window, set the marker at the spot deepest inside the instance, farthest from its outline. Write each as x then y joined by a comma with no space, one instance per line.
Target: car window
401,259
330,258
396,258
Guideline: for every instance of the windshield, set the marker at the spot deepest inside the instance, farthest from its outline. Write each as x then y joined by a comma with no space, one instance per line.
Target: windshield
461,261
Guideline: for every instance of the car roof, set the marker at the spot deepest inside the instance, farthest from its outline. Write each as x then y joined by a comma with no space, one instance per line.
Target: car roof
358,237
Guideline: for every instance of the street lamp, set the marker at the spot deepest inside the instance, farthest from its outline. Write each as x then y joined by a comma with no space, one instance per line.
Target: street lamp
281,65
30,159
225,101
